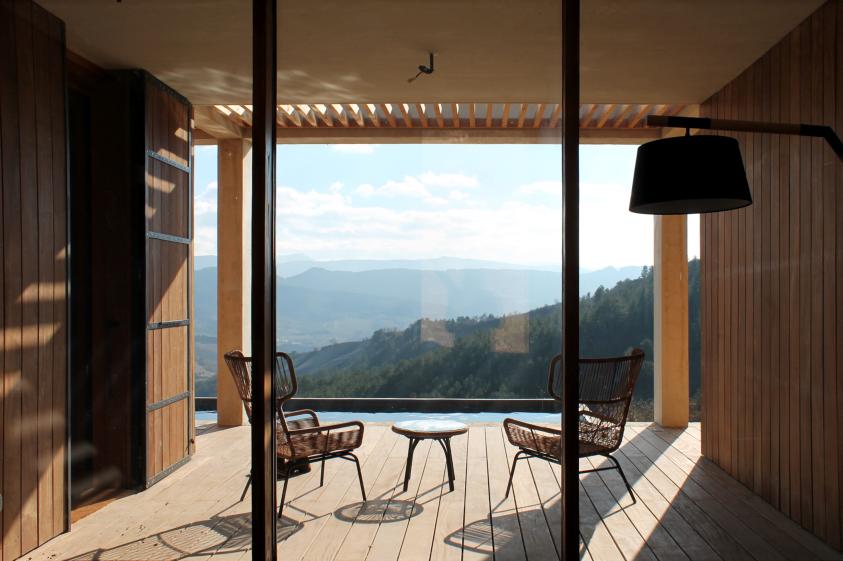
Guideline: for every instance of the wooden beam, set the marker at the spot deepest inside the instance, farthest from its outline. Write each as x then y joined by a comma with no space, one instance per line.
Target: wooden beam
554,118
240,113
505,116
386,109
437,111
670,321
607,112
307,112
638,116
455,115
537,120
211,121
471,116
234,185
322,112
676,109
372,113
405,114
420,109
622,115
489,115
584,122
355,113
290,114
450,135
522,115
340,114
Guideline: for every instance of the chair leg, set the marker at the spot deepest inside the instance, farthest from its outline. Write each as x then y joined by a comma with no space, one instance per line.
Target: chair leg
245,489
322,474
284,490
623,476
511,473
359,475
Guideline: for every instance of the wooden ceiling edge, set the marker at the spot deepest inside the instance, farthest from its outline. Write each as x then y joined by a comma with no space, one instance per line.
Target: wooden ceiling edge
452,135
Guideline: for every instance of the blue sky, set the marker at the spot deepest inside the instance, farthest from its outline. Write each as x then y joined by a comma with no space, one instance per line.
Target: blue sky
495,202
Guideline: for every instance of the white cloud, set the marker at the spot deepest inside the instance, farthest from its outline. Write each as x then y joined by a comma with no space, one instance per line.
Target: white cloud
329,226
448,180
336,187
365,190
353,148
205,200
205,240
422,187
542,187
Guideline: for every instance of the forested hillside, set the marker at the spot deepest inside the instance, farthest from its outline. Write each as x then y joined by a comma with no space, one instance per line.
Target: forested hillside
494,357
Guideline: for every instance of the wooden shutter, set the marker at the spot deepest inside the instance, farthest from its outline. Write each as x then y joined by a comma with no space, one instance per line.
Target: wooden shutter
33,279
168,279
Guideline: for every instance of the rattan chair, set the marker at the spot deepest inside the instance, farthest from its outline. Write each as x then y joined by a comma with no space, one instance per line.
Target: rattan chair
605,392
300,438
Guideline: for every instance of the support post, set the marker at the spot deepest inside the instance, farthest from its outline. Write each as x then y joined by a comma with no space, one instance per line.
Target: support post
670,317
570,276
234,210
264,99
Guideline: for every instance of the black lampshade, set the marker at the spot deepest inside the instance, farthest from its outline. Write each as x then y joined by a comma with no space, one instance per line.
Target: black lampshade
689,175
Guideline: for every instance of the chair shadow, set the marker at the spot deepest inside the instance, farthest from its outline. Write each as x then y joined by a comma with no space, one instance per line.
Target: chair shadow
378,511
216,535
481,538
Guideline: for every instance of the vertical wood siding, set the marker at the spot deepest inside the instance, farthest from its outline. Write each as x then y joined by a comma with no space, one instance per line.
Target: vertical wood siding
33,253
772,286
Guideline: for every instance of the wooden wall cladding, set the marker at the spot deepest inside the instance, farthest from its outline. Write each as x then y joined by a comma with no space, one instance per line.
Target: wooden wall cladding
33,287
168,279
772,286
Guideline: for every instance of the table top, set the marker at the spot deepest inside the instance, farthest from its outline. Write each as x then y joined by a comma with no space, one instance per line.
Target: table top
429,428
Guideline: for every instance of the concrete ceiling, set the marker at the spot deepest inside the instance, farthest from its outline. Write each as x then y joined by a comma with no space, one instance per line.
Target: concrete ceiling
633,51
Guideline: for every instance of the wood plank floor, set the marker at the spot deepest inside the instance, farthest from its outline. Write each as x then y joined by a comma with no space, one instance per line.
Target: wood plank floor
687,509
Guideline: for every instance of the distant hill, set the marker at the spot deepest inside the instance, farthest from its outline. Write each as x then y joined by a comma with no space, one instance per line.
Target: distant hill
288,267
320,306
204,262
493,356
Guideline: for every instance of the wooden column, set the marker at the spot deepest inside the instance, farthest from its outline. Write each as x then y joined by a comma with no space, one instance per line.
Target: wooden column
670,300
234,206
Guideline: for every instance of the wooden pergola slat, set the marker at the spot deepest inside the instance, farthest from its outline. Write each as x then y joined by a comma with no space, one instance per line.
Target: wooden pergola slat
599,118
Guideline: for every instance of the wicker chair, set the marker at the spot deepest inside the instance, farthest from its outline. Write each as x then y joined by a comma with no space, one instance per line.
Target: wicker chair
300,439
605,392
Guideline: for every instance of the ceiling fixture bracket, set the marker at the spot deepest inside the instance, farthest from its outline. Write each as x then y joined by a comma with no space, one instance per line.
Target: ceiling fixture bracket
423,70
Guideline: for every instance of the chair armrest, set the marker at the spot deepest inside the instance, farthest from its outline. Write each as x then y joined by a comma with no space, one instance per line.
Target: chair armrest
530,426
327,428
528,436
598,416
309,412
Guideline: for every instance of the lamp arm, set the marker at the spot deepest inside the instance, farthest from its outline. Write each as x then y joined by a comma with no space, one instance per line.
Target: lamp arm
706,123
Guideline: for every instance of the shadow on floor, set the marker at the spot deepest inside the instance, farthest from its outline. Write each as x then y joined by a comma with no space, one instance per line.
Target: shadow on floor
378,511
216,535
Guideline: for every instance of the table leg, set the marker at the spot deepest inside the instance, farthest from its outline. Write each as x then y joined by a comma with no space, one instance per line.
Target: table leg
449,460
412,448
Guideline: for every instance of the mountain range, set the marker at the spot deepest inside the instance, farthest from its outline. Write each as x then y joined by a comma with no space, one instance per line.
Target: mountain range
320,306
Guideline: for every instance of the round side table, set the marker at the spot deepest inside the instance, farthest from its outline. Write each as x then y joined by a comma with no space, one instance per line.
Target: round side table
432,429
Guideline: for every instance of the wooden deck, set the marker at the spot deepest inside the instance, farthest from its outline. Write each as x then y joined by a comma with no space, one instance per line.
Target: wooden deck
687,508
